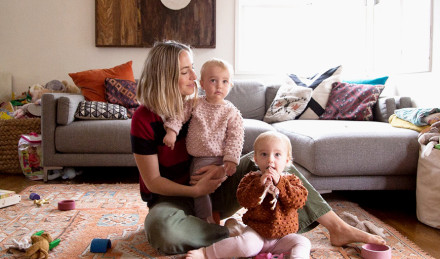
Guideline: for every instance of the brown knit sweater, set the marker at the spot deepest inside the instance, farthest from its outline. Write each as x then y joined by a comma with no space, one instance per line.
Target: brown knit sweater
266,222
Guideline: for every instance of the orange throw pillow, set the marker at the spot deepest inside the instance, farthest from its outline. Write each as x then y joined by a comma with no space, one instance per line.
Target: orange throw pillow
92,82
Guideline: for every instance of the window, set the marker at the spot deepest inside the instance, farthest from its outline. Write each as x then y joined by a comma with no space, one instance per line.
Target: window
365,36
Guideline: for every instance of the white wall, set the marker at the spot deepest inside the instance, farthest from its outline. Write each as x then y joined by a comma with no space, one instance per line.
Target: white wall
47,39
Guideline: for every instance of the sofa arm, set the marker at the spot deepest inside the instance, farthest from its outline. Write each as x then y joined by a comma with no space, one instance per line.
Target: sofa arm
386,106
403,102
66,108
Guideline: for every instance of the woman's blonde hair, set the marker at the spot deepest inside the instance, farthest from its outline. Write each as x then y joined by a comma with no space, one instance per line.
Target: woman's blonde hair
271,135
158,87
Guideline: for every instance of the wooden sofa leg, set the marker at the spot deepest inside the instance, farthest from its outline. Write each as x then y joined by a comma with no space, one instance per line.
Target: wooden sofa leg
47,168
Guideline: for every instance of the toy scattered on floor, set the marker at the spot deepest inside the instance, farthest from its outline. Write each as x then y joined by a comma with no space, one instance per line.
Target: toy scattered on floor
21,245
30,156
41,202
100,245
52,244
34,196
66,173
364,225
40,246
269,256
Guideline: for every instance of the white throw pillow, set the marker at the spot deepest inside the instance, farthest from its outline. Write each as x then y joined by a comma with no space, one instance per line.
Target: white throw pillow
289,102
321,84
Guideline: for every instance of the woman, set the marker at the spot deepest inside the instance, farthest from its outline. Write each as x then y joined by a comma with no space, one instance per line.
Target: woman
167,80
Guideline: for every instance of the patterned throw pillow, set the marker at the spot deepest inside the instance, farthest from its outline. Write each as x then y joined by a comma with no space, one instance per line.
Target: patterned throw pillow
352,102
321,84
289,102
91,110
122,92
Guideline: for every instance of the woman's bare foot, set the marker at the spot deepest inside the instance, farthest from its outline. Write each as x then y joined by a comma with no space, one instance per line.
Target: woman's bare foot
196,254
235,228
348,234
342,234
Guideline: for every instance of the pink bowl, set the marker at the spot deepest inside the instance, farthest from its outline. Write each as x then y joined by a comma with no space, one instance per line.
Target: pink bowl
373,251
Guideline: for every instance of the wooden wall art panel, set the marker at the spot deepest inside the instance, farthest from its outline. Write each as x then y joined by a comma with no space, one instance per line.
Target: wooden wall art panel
140,23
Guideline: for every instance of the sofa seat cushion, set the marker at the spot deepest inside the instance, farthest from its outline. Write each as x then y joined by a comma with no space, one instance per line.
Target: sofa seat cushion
94,136
342,148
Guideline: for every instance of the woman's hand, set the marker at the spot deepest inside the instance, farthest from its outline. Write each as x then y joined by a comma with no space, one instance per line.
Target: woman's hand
214,172
208,183
148,166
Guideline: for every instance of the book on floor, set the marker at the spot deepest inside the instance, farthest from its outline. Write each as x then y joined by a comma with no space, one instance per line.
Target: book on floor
11,200
6,193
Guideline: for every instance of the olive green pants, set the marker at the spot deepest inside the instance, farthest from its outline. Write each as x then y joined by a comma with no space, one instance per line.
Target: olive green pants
171,227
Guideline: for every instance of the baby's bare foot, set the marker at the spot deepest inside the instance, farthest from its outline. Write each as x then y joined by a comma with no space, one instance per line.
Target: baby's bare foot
196,254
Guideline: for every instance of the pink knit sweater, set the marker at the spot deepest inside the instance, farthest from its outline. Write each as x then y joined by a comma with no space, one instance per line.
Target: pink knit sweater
214,129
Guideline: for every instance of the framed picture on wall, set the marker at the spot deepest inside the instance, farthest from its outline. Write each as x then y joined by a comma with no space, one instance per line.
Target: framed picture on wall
134,23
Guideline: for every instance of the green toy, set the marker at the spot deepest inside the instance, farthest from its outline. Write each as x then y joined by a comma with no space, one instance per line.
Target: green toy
51,244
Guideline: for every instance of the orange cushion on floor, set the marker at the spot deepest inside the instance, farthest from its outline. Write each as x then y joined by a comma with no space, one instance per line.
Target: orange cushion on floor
92,82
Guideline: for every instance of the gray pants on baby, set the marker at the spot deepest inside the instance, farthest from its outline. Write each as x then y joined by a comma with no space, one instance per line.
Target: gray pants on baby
203,204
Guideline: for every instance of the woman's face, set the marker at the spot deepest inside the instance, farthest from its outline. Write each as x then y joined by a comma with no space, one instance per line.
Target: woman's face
187,76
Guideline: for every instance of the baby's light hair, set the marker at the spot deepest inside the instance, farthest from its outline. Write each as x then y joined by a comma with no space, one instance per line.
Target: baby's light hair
216,62
275,135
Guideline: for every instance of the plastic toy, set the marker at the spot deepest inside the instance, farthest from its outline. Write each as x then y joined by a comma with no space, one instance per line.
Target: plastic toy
41,244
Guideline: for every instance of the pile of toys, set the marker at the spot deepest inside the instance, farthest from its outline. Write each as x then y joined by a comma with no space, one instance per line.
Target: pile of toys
28,104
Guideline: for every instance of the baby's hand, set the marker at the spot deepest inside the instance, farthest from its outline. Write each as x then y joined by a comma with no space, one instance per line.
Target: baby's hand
230,168
270,174
170,139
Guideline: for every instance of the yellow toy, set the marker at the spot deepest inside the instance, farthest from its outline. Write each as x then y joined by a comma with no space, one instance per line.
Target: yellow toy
41,202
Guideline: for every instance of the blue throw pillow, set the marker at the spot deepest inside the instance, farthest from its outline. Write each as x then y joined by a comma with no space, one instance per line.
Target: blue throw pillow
375,81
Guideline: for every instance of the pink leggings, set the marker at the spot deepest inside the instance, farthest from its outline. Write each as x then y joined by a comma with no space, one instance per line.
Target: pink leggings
250,243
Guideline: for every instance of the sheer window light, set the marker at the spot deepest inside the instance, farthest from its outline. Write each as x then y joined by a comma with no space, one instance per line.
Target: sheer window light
365,36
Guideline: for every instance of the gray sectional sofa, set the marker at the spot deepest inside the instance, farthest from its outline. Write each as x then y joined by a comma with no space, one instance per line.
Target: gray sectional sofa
332,154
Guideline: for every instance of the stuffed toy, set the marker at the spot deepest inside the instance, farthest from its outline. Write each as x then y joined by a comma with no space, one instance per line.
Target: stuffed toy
430,138
270,188
36,91
363,225
65,173
40,246
54,86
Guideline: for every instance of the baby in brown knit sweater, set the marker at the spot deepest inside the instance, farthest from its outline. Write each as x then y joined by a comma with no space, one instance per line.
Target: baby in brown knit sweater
268,230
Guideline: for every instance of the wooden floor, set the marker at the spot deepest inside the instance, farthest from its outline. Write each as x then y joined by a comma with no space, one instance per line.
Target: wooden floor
396,208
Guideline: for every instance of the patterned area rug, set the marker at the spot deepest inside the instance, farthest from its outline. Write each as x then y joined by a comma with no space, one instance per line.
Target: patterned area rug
116,212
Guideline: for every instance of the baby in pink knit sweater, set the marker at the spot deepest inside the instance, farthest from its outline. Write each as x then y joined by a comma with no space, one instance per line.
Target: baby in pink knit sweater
215,133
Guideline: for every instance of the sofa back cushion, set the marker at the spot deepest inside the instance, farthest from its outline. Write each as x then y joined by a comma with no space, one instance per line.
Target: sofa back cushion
249,97
271,92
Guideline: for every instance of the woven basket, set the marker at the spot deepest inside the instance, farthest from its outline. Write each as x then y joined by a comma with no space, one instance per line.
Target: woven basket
10,133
